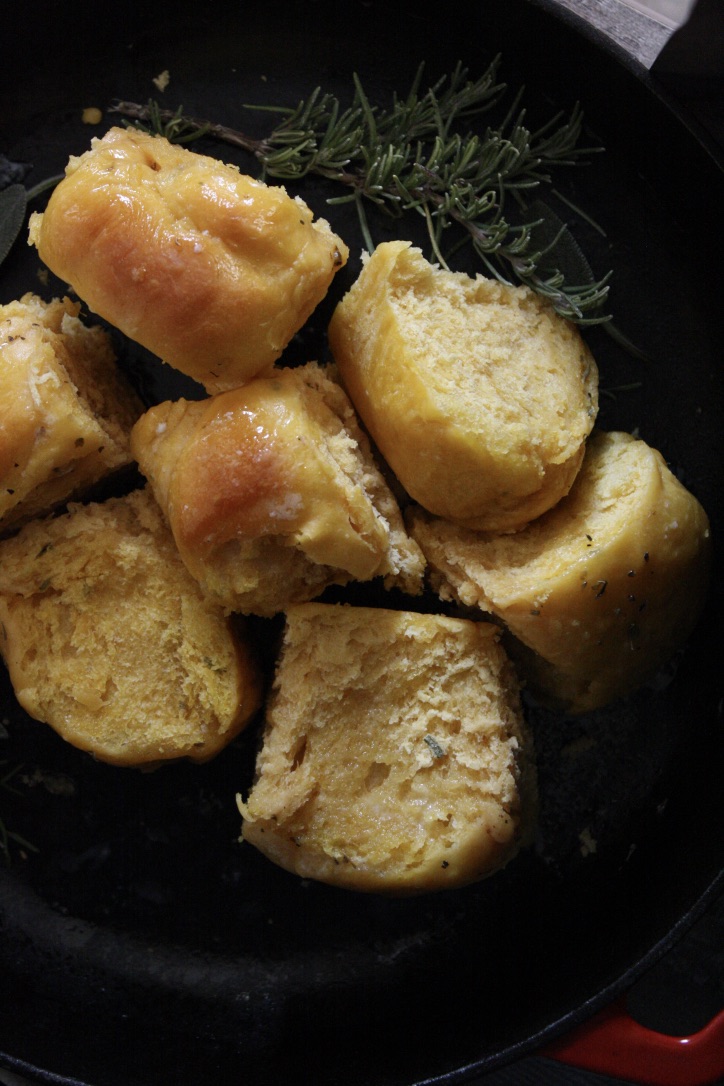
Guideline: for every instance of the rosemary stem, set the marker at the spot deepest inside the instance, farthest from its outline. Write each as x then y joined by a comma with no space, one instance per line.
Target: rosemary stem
135,111
414,157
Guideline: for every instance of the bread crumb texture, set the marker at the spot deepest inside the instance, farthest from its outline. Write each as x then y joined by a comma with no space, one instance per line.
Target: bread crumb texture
395,757
109,640
272,492
211,270
65,410
599,592
478,394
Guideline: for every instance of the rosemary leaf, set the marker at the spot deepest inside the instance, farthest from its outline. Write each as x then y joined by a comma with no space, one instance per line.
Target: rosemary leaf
437,750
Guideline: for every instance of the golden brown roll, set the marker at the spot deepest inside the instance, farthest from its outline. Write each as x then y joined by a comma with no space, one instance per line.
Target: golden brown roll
602,589
211,270
395,757
65,410
110,641
272,493
479,396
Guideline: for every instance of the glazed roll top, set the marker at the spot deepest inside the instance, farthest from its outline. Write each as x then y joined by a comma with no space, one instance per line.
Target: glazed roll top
211,270
279,466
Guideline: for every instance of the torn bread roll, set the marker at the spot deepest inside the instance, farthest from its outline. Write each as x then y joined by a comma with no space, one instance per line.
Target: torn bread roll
272,493
395,757
65,410
109,640
602,590
479,396
209,269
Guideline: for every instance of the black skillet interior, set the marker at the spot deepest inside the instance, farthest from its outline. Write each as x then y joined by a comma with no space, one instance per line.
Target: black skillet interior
141,944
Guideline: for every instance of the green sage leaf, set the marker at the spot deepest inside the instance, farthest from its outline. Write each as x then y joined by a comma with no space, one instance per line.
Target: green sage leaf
13,205
558,248
12,173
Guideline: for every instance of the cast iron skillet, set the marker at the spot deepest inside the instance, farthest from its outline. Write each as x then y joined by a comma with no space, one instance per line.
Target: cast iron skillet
141,944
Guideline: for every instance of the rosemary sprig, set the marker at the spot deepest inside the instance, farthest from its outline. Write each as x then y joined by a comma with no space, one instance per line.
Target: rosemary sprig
414,158
173,126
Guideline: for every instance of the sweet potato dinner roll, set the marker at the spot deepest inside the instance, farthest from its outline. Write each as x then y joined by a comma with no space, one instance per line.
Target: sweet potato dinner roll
479,396
272,493
109,640
65,410
600,591
211,270
395,757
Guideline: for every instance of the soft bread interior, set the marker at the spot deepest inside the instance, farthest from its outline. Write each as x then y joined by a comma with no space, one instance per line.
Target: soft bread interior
395,757
108,639
65,410
602,589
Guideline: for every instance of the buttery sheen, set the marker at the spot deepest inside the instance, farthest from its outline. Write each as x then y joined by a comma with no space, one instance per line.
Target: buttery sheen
211,270
254,478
